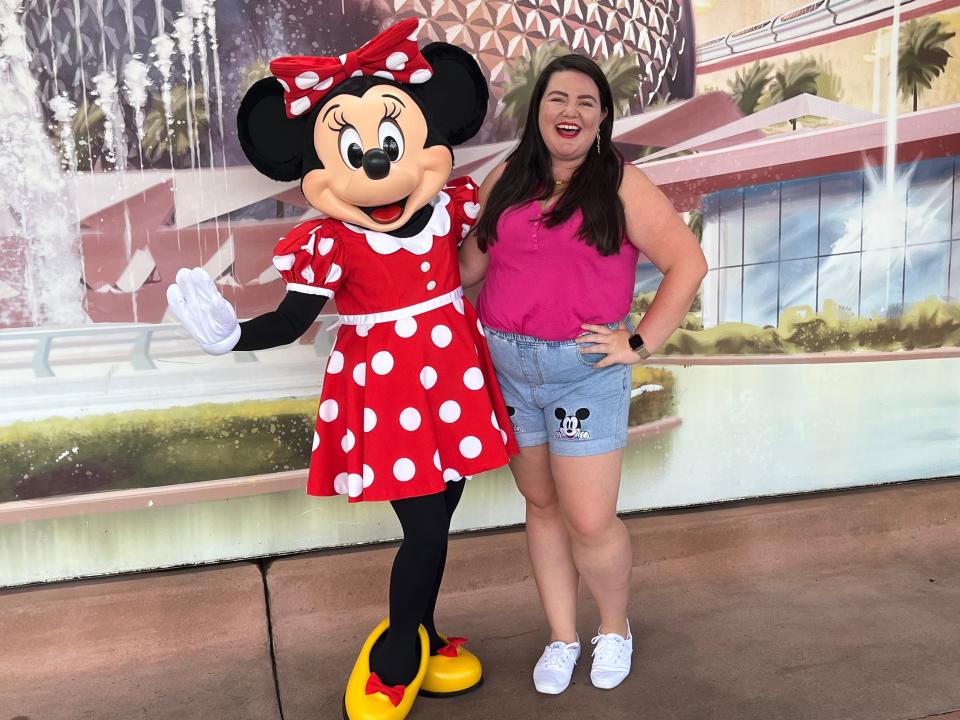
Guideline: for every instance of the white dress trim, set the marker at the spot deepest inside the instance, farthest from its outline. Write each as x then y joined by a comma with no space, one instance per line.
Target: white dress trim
421,243
404,312
309,289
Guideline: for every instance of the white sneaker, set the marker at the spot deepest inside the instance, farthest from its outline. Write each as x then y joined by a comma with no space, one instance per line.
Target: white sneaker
611,659
552,673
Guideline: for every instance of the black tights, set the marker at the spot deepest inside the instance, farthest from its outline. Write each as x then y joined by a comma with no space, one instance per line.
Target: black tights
415,583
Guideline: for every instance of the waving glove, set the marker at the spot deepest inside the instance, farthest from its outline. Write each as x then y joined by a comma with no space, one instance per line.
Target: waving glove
203,311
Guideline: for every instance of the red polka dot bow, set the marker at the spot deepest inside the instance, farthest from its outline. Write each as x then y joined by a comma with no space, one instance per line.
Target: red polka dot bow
392,54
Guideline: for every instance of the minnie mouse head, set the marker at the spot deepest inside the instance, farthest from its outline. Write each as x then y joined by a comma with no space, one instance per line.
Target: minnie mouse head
369,134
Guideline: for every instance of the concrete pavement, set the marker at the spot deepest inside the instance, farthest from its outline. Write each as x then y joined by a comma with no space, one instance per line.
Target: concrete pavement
831,606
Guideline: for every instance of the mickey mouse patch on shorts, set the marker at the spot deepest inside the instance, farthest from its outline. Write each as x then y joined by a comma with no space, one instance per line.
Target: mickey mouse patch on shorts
571,426
511,411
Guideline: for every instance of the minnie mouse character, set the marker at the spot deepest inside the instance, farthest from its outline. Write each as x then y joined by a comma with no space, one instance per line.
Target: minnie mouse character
410,403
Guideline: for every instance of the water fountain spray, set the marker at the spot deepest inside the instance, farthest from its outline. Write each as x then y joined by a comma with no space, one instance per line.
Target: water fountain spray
163,48
890,153
114,130
183,30
135,84
64,111
196,10
215,47
41,222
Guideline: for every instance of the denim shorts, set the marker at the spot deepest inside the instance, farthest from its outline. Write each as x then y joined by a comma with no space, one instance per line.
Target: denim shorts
554,394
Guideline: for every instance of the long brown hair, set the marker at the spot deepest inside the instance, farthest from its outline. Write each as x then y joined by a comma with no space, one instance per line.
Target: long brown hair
594,187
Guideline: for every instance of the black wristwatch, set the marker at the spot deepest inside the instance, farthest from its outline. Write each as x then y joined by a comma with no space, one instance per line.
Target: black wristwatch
637,345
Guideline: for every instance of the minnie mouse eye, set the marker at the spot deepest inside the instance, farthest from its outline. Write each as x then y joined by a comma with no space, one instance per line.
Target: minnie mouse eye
351,148
391,140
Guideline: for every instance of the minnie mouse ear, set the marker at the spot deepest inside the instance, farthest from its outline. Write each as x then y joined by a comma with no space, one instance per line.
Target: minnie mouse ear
272,143
456,96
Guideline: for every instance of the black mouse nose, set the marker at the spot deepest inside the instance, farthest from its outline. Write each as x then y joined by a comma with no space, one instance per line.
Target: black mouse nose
376,164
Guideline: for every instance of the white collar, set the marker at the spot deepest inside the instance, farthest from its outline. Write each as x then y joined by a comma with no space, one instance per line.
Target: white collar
420,244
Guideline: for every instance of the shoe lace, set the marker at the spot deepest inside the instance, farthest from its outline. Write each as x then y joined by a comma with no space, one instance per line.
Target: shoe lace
609,649
555,657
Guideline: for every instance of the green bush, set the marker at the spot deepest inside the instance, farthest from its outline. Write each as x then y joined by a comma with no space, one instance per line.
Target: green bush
656,404
146,448
641,303
726,339
928,324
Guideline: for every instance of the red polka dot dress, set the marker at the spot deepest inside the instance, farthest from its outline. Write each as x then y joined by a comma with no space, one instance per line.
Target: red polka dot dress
410,400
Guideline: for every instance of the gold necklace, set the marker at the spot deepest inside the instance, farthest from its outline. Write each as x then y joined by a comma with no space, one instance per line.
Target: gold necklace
560,183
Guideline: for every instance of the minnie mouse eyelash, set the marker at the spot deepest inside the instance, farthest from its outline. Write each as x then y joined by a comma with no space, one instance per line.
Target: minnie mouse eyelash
390,113
339,122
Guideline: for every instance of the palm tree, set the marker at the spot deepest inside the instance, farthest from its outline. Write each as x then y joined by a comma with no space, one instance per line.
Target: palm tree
623,74
257,70
519,86
748,85
695,223
793,79
87,129
923,56
158,143
622,71
829,85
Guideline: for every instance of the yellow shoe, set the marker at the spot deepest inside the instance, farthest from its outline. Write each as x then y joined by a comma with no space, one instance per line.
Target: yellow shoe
453,671
366,698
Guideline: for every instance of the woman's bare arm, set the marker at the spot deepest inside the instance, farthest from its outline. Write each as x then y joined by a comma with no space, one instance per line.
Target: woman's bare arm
473,262
655,227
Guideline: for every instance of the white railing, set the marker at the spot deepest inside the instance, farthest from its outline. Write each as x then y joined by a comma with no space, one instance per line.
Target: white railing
139,340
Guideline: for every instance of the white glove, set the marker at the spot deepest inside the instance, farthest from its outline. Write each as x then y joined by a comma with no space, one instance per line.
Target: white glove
203,311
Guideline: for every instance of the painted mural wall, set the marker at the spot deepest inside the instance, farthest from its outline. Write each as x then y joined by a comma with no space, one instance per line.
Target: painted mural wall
814,149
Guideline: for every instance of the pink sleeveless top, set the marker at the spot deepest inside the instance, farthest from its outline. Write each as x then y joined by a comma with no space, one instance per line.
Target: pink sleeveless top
546,282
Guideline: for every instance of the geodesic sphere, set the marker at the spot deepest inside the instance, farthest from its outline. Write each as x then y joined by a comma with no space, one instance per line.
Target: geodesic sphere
497,32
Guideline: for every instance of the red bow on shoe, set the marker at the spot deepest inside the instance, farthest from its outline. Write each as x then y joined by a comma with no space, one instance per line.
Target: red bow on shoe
450,649
394,693
392,54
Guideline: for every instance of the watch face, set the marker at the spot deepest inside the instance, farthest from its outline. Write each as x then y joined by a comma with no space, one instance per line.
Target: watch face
636,342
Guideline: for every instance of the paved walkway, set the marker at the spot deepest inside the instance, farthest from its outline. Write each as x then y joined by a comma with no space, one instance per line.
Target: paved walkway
828,607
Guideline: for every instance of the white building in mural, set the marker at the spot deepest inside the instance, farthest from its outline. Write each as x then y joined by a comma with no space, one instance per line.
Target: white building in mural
799,219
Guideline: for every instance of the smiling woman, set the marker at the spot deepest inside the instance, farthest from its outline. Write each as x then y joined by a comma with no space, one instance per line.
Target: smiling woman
571,104
566,144
563,223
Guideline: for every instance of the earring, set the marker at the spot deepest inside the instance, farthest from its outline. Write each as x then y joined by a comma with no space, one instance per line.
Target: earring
598,143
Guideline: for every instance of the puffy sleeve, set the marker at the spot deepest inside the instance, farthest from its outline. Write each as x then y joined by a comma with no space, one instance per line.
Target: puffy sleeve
464,196
311,259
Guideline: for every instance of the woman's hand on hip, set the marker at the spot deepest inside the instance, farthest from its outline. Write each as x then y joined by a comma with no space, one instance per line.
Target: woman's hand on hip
615,344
